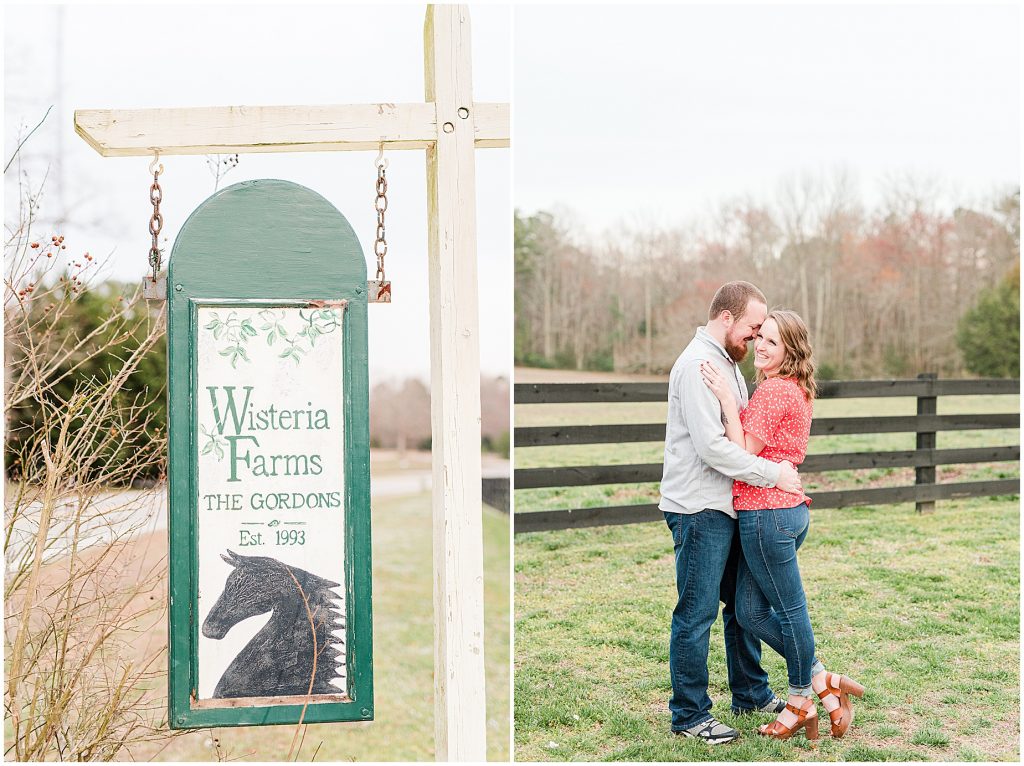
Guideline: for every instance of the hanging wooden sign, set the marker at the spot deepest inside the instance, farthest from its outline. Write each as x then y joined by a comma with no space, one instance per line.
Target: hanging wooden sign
270,616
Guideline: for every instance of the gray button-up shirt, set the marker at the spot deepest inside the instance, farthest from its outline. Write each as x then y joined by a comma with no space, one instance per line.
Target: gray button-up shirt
700,462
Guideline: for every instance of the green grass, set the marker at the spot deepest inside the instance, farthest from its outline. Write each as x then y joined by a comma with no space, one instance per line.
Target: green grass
403,655
652,452
921,609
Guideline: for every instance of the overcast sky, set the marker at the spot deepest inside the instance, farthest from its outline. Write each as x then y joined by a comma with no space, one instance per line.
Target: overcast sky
621,113
95,57
659,113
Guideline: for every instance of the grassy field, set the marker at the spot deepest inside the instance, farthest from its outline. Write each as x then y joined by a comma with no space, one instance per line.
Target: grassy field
923,610
652,452
403,657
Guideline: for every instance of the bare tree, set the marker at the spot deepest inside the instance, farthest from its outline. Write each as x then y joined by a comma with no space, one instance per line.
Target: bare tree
869,285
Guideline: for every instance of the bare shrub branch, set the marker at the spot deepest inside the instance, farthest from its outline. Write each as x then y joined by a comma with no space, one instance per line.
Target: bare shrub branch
83,586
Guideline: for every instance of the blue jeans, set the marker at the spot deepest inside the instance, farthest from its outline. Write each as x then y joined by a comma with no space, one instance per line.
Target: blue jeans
707,552
770,600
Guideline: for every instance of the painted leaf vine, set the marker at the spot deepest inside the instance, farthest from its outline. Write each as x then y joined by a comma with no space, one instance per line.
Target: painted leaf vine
215,443
319,322
277,328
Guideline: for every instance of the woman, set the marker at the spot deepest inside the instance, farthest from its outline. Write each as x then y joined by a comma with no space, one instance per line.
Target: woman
770,600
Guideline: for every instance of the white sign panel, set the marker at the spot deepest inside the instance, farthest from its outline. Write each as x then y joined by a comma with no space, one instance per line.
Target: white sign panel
271,498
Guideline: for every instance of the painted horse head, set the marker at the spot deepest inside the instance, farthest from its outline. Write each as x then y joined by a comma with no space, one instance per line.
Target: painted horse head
257,585
296,651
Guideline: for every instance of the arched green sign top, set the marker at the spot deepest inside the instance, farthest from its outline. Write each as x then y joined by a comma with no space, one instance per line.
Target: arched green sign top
266,239
269,476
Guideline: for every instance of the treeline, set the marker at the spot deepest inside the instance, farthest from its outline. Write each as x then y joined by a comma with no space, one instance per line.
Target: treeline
400,415
905,288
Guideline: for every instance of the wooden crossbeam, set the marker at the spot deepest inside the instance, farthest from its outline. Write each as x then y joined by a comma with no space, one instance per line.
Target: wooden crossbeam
254,129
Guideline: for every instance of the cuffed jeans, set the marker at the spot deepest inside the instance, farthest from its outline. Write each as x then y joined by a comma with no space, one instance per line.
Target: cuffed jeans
707,552
770,599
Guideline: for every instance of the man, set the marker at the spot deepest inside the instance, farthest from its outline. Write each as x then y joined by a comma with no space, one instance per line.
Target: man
696,497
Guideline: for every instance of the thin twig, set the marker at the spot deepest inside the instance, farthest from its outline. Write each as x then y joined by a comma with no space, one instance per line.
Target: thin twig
312,675
26,138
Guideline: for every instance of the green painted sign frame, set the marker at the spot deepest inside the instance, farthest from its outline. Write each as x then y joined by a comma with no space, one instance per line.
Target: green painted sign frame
265,243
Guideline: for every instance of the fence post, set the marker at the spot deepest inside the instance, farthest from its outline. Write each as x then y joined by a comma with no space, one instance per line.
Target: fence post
926,405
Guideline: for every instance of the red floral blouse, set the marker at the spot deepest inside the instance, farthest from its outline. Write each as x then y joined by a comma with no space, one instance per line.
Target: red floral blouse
778,414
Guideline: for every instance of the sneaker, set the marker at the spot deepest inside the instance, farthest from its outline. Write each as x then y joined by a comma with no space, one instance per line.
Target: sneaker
711,731
774,705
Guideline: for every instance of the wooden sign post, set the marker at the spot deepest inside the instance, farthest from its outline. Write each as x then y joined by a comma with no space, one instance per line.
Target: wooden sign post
269,462
448,126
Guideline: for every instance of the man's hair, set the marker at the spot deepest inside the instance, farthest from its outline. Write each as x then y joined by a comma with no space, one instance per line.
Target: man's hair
734,297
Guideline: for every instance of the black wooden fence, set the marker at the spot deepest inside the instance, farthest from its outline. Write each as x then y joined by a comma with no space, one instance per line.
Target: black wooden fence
926,423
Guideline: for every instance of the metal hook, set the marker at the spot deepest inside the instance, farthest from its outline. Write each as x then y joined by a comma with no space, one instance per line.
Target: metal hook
380,161
152,165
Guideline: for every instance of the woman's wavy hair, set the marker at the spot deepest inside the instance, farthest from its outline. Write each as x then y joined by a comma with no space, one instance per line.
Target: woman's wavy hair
799,361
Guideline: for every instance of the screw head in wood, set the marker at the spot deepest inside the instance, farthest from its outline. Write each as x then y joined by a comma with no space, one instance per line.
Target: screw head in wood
463,112
448,127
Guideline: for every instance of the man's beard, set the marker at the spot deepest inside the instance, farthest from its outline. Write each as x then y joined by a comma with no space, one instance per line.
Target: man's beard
736,351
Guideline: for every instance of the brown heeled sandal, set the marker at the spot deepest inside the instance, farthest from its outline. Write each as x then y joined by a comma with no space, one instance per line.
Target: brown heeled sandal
841,687
806,719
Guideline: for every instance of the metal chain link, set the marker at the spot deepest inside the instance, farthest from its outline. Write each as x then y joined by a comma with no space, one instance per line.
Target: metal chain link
380,245
156,223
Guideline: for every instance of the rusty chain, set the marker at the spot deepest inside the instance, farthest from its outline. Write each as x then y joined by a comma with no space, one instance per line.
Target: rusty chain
156,222
380,245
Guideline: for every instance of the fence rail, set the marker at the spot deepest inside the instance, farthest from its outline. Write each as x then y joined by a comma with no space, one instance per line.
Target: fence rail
545,436
924,492
566,393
